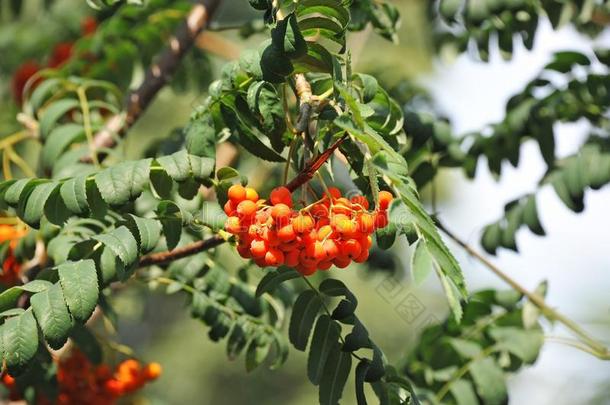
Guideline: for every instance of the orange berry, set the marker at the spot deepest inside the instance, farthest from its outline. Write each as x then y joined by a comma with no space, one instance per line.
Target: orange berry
366,222
152,371
233,225
330,248
346,227
244,251
316,251
364,256
251,194
324,232
342,206
269,236
290,246
334,192
246,209
319,211
351,248
341,262
114,387
230,207
280,213
305,259
286,233
385,198
306,270
322,222
291,258
262,217
302,223
237,193
325,265
274,257
281,195
381,219
258,248
361,201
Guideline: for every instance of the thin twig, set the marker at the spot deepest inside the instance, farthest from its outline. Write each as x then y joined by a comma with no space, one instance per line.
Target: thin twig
157,75
599,349
179,253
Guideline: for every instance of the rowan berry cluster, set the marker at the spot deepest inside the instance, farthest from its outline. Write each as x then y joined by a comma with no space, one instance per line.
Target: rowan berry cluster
332,231
81,382
11,268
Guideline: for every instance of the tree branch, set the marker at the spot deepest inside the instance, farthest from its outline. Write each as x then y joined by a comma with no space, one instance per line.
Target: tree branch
598,349
157,75
181,252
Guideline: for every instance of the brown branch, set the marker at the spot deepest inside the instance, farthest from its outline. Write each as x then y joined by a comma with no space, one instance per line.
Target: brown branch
313,166
181,252
157,75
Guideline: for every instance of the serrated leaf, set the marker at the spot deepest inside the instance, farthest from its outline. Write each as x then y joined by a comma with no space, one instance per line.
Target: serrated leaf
325,338
34,207
489,381
463,392
421,263
286,37
20,339
124,182
257,352
334,377
171,217
52,315
274,278
58,141
304,312
147,230
121,241
74,194
80,288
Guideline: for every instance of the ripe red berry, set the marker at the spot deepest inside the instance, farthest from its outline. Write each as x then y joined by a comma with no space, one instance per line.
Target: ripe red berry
366,222
306,270
230,207
350,248
237,193
385,198
281,195
325,265
274,257
280,213
286,233
334,192
341,262
360,201
291,258
330,248
363,256
381,219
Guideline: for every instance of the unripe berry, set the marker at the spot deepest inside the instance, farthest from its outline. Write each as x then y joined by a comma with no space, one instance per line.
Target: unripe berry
281,195
302,223
246,209
347,228
385,198
274,257
251,194
237,193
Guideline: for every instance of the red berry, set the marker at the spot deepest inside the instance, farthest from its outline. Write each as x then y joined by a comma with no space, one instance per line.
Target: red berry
306,270
350,248
280,213
363,256
334,192
381,219
286,233
330,248
325,265
230,207
291,258
281,195
274,257
360,201
258,248
341,262
366,222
